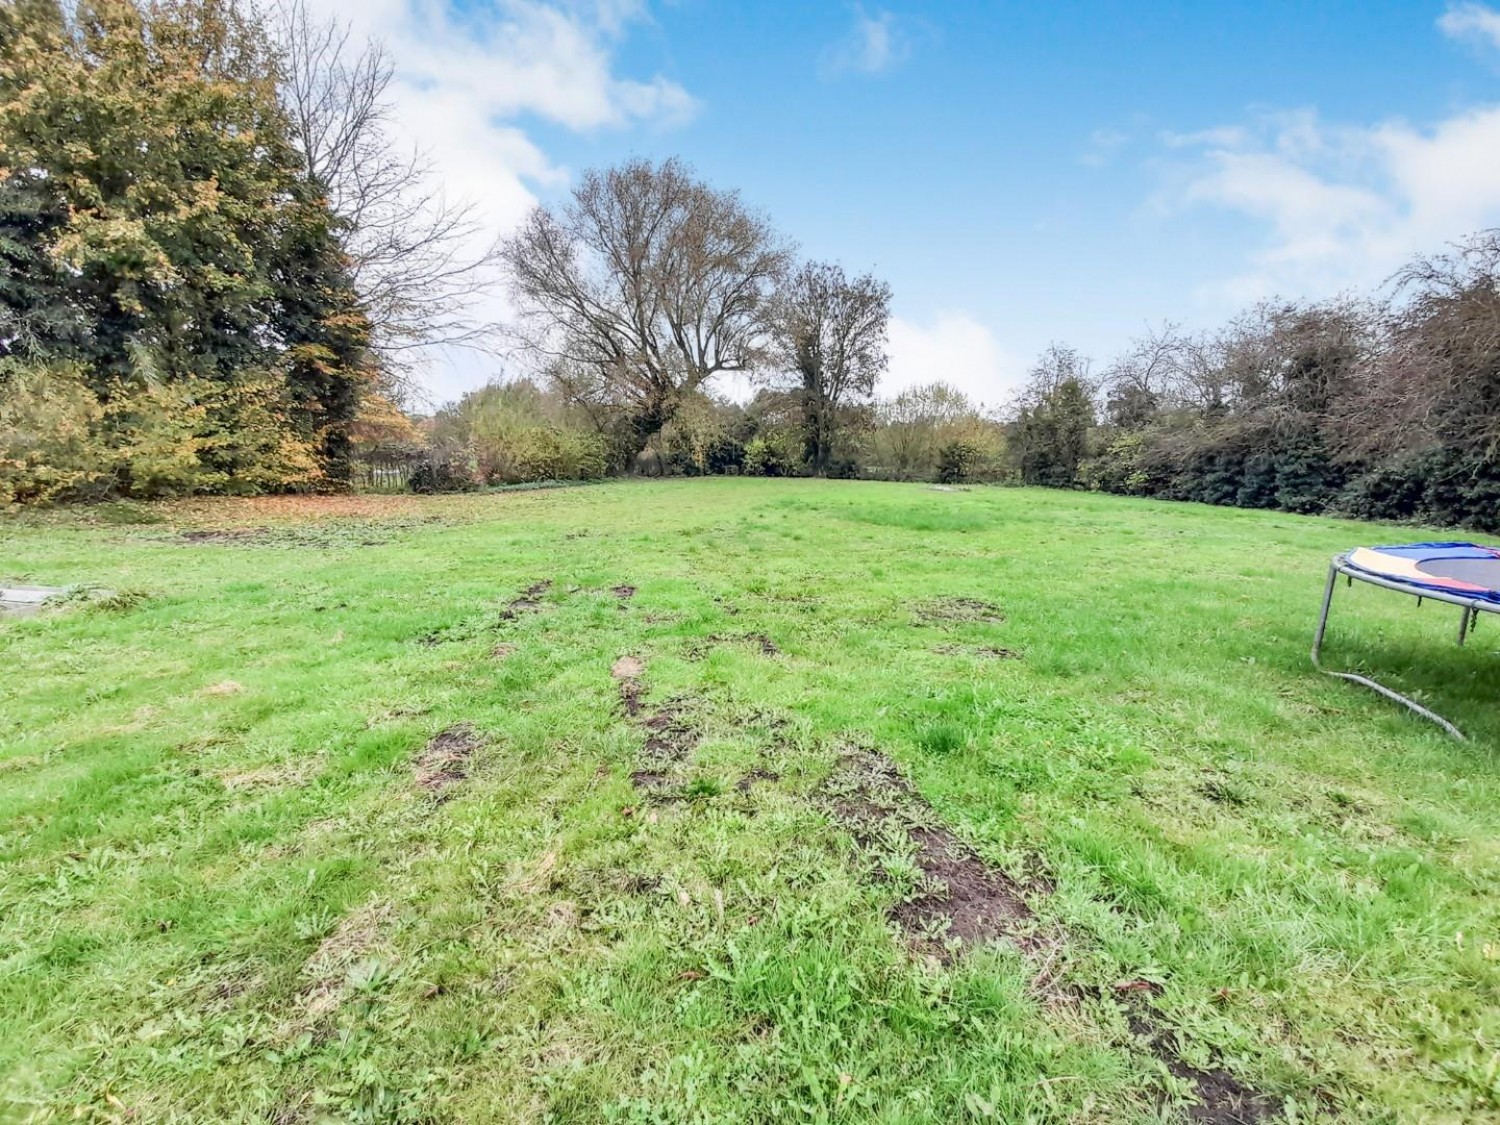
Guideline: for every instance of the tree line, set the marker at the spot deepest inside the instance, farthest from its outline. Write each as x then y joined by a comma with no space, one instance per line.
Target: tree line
219,272
1381,407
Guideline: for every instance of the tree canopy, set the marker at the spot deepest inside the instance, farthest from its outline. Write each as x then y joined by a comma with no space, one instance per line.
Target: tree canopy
166,265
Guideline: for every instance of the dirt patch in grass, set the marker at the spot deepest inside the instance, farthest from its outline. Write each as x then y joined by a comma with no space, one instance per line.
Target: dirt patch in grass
445,758
947,610
670,737
225,535
1222,1099
357,935
759,773
983,652
759,641
651,781
628,671
624,592
961,901
964,899
529,601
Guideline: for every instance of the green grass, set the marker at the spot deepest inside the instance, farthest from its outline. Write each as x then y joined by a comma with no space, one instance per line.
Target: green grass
225,895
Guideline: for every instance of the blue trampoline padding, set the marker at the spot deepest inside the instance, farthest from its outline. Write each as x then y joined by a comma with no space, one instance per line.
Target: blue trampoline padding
1468,569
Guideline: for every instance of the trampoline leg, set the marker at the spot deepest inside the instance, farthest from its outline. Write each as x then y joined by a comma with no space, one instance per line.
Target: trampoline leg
1396,696
1333,577
1463,624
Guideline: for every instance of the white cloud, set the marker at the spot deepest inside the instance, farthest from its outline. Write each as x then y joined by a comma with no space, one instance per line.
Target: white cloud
1103,146
952,348
1472,23
466,83
1345,206
874,45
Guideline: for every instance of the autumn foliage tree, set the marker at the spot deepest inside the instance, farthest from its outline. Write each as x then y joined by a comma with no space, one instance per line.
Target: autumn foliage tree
169,276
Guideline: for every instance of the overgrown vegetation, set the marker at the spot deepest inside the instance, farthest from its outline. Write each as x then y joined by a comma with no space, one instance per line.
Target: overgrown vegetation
176,310
1384,410
1045,818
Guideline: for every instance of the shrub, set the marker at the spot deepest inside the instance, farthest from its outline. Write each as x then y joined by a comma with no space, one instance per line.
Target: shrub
51,445
441,474
958,460
773,453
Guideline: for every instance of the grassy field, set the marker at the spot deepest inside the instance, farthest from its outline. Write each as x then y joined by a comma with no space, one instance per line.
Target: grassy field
737,801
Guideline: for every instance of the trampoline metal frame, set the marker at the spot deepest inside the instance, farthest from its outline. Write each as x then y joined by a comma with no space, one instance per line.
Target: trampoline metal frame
1471,609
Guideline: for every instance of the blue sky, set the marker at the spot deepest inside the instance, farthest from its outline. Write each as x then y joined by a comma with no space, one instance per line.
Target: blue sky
1019,172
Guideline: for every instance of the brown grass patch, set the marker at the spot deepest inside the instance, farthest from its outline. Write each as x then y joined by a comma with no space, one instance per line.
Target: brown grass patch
950,610
445,758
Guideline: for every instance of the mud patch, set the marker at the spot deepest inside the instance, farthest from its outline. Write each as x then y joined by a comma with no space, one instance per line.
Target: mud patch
225,535
445,759
323,536
1222,1099
758,641
670,736
961,901
983,652
651,781
948,611
529,601
624,593
628,670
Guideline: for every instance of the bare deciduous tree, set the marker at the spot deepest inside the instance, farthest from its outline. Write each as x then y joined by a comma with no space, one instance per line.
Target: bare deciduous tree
419,260
643,287
829,332
1138,382
1436,382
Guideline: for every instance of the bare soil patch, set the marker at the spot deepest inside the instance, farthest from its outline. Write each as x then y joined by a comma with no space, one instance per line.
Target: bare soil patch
529,601
1222,1098
628,671
759,773
445,758
964,901
624,593
759,641
670,736
950,610
651,781
225,535
983,652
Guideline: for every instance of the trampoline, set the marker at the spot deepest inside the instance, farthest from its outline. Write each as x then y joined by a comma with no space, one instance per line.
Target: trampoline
1463,574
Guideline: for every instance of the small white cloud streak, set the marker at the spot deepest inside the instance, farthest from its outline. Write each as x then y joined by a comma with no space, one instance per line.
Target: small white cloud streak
874,45
1471,23
951,348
